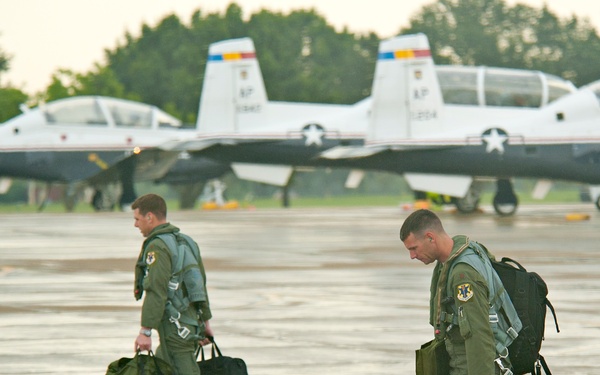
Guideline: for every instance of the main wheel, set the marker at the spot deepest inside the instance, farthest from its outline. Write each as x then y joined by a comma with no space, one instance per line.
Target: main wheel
468,204
504,207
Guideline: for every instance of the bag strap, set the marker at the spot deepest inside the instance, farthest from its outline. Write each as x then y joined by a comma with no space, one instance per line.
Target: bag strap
542,364
553,313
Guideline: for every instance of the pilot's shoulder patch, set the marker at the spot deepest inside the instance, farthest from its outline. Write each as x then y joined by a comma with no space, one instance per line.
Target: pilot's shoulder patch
151,257
465,292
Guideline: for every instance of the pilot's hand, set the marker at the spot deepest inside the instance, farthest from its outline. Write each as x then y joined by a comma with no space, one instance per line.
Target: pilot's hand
143,342
208,332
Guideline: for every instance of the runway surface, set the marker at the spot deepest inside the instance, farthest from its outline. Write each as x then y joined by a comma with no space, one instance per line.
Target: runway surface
293,291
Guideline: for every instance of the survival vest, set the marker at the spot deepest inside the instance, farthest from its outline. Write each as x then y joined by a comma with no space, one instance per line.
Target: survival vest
187,283
527,293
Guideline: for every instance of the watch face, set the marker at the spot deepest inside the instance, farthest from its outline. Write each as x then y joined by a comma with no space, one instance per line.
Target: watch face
146,332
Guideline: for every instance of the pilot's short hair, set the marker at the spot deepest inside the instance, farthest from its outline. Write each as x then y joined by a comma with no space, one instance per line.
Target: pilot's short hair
151,203
419,222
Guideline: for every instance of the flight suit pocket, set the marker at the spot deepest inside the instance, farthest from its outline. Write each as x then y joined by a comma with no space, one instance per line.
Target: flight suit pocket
463,324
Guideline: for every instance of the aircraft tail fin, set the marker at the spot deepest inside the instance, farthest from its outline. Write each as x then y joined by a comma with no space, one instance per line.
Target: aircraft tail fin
233,94
407,99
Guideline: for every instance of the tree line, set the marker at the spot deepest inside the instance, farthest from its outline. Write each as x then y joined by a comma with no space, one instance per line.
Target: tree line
303,57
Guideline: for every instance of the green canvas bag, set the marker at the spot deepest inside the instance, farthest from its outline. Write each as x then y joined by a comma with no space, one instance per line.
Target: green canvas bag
140,364
433,359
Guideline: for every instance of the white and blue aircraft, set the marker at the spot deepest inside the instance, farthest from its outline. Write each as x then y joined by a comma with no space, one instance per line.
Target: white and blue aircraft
265,140
99,142
446,149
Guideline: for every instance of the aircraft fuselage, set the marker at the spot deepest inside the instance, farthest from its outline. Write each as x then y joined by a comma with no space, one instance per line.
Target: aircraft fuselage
57,166
529,161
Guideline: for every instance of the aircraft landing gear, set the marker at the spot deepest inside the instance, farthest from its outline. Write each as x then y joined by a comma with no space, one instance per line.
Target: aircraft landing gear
505,200
469,203
105,198
126,172
71,197
188,194
593,192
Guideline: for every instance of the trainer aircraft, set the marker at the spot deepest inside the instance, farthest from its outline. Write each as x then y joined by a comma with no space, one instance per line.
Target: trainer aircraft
265,140
102,142
447,149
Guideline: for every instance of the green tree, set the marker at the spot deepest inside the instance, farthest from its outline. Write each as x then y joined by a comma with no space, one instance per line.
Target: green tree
101,81
488,32
155,67
62,85
304,59
4,63
10,100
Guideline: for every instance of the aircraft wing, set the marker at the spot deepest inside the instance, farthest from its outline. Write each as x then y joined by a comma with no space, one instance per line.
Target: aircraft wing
453,185
204,143
278,175
357,152
148,165
350,152
5,184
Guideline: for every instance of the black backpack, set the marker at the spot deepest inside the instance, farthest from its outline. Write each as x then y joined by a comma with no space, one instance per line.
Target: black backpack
527,291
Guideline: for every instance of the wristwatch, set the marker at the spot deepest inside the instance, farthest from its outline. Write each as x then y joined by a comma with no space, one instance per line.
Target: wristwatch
146,332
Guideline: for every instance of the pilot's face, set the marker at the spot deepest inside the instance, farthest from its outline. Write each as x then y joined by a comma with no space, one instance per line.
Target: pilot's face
421,247
143,222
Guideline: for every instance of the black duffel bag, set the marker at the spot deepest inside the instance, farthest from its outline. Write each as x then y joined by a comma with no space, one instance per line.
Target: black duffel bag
219,364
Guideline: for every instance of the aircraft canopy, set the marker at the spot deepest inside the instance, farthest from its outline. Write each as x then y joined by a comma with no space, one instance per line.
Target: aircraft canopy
105,111
484,86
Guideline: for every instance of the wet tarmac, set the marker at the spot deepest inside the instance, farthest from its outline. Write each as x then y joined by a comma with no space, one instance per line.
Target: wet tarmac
293,292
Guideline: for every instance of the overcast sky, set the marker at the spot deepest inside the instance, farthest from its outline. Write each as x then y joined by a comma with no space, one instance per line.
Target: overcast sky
45,35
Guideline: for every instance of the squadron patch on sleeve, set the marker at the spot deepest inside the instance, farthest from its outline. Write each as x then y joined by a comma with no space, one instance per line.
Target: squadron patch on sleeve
150,258
465,292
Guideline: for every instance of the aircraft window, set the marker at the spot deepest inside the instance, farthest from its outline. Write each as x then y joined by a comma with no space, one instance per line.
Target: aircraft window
459,86
129,114
74,111
558,87
511,88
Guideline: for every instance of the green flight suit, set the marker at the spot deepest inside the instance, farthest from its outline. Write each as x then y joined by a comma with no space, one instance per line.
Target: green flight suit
471,345
155,260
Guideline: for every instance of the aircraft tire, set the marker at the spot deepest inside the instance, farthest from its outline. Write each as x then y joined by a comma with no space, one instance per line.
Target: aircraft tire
466,205
70,202
99,203
598,203
505,200
504,208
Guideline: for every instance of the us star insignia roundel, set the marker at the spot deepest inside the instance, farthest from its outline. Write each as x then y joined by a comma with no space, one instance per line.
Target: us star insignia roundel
465,292
150,258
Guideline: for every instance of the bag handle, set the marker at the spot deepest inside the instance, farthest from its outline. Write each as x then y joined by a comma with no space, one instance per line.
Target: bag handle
140,366
507,260
214,346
